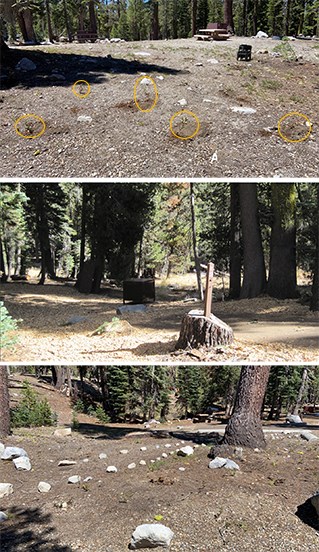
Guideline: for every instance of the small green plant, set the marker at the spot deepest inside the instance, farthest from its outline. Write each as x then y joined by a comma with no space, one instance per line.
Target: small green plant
7,325
101,414
31,411
79,406
157,465
286,51
107,326
271,84
75,422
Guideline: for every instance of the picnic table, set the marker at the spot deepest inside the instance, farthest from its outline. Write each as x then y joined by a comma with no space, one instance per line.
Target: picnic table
212,34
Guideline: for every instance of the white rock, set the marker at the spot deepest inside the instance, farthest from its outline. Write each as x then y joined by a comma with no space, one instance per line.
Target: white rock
22,463
3,517
25,64
84,119
74,479
219,462
244,110
308,436
186,451
182,102
151,536
143,449
261,34
87,479
157,446
231,465
85,460
213,61
131,466
294,419
182,469
160,77
102,456
142,54
124,451
206,100
44,487
158,458
111,469
2,448
152,461
145,81
67,463
5,489
116,40
199,64
168,445
63,432
142,463
10,453
164,455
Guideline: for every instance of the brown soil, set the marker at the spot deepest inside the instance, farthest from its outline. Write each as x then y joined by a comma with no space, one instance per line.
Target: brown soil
254,509
265,329
130,143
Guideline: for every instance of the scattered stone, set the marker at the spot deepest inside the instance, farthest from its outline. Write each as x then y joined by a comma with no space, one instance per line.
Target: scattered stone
102,456
206,100
10,453
152,461
168,445
131,466
160,77
87,479
44,487
144,81
213,61
5,489
262,52
261,34
238,452
132,308
182,102
63,432
199,64
142,463
185,451
244,110
25,64
2,448
256,450
124,451
142,54
22,463
164,455
308,436
3,517
219,462
143,449
85,460
84,119
182,469
66,463
111,469
116,40
151,536
74,479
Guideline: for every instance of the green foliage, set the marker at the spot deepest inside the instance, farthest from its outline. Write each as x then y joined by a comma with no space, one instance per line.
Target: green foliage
32,411
7,326
79,406
75,422
101,414
286,50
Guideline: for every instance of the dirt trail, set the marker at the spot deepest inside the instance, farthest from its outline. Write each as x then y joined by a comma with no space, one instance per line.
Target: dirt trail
265,328
115,139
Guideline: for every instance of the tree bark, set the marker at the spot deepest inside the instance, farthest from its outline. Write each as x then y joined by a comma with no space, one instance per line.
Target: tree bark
235,249
301,392
47,265
254,282
4,49
155,21
4,402
67,21
48,12
282,281
195,251
200,331
93,24
194,16
228,15
245,427
314,304
25,21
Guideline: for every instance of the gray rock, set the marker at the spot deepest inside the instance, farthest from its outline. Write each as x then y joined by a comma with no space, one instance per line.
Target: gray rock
74,479
131,308
84,119
244,110
102,456
308,436
111,469
10,453
63,432
66,463
151,535
22,463
231,465
5,489
219,462
75,320
131,466
25,64
57,77
294,419
3,517
185,451
44,487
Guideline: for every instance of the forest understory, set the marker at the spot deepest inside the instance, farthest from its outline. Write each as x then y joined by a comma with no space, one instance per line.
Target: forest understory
113,138
264,327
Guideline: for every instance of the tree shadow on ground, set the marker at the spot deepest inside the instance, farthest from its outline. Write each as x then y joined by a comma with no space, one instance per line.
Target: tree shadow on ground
99,431
308,515
21,532
72,66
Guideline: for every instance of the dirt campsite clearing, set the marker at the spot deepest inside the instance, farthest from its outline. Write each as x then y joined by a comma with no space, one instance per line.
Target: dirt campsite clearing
266,501
104,134
58,324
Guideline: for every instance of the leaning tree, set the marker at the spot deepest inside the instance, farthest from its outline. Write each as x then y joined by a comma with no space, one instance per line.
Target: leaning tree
245,427
4,402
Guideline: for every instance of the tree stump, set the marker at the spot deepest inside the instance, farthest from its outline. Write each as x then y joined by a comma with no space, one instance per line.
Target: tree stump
198,330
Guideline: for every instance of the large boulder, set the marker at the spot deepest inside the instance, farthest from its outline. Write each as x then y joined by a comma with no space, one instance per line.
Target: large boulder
151,535
5,489
308,436
10,453
22,463
25,65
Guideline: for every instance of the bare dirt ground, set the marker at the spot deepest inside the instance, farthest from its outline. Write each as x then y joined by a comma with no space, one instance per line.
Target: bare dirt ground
253,509
121,141
265,329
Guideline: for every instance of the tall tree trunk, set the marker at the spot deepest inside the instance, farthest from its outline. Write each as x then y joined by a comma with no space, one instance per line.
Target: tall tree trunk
235,249
83,224
314,304
48,12
245,427
245,2
282,281
69,378
104,389
301,392
93,24
47,264
155,21
228,15
196,259
254,282
194,17
25,20
4,402
67,21
175,20
255,17
59,373
287,21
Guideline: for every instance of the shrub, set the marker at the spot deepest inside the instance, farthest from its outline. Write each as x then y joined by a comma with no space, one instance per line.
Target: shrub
79,406
101,414
32,412
7,325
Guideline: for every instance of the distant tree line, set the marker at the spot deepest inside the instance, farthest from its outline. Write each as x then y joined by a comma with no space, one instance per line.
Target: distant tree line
35,20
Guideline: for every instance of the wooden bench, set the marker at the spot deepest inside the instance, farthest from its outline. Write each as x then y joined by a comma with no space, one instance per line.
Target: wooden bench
86,36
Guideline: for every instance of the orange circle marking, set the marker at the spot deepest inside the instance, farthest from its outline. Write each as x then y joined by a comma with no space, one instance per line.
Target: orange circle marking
295,113
181,113
135,93
81,96
29,116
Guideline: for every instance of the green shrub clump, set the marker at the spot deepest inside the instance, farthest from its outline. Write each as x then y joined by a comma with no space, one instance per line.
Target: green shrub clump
7,325
31,411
